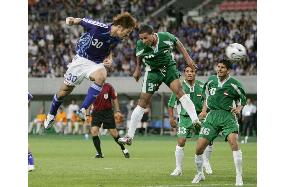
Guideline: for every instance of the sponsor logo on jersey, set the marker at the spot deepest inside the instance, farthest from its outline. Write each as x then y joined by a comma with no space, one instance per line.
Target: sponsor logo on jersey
95,23
106,96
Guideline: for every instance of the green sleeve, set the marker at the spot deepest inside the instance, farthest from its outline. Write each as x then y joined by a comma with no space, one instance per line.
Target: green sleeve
172,101
139,48
241,93
243,98
172,37
205,92
203,97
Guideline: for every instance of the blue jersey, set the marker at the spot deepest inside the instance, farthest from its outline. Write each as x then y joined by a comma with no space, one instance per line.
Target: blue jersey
96,43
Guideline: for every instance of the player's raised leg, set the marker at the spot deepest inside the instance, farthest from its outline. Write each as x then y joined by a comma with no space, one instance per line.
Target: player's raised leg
136,117
200,147
186,102
98,76
238,158
64,90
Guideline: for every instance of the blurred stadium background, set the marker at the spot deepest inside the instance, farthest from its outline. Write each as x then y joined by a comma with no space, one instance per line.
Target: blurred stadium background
205,27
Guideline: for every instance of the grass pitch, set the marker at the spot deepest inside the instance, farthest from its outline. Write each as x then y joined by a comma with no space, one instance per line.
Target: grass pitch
68,161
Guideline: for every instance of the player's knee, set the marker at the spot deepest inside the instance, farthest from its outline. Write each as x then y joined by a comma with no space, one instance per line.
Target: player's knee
201,145
64,91
181,142
142,103
94,132
179,93
113,133
234,145
233,141
99,76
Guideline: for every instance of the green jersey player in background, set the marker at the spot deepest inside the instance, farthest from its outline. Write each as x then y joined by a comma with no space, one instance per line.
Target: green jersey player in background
155,51
194,89
225,99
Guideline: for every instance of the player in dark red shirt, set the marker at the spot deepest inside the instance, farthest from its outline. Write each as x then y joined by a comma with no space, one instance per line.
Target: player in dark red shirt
102,113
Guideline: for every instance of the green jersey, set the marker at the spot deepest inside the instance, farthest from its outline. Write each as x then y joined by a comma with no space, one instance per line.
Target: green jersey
224,95
161,55
195,93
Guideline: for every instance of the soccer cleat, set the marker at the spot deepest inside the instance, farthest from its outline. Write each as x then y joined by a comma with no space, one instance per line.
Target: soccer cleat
207,168
81,114
31,167
126,153
239,180
125,140
176,172
99,156
49,121
199,177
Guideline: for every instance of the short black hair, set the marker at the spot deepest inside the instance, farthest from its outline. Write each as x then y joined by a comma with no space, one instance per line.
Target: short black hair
226,62
146,29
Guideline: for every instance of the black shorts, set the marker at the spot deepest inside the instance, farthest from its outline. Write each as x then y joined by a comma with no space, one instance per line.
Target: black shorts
105,117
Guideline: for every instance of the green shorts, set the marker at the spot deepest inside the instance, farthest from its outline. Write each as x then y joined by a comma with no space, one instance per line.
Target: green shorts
219,121
154,78
185,127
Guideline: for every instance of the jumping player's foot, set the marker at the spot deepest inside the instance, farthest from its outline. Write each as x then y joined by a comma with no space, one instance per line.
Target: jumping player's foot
48,122
126,153
239,180
125,140
99,155
199,177
176,172
31,167
81,114
207,168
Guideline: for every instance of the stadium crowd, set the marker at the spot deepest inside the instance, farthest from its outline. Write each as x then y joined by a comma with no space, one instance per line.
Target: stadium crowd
51,42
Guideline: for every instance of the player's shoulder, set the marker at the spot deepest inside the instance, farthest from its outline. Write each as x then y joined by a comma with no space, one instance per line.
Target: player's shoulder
235,81
139,47
212,78
165,35
108,85
139,43
199,83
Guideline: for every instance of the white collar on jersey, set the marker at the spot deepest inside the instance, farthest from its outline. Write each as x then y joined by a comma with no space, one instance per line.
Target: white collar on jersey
220,84
191,88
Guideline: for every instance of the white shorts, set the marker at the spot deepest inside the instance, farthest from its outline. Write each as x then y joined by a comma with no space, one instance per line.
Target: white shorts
79,69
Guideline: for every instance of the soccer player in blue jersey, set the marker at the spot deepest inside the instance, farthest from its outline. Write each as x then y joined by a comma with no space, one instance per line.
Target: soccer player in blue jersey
31,164
93,55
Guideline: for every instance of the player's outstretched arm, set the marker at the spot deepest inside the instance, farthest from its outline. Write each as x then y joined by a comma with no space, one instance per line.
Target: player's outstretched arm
73,21
185,55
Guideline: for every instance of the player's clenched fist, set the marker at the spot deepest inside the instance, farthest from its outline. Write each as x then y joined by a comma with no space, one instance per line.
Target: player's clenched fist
72,21
69,21
173,123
